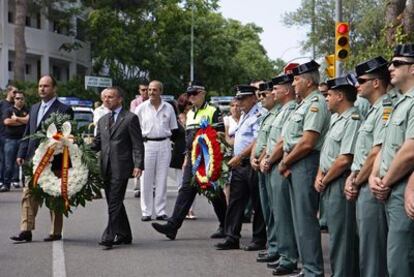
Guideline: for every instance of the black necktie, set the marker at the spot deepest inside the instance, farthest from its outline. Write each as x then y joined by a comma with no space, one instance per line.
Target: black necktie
112,119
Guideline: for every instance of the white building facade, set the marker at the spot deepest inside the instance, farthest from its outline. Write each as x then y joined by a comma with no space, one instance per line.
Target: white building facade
44,55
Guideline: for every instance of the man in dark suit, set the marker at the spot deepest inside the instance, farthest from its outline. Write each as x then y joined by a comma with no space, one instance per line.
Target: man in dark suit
120,141
39,112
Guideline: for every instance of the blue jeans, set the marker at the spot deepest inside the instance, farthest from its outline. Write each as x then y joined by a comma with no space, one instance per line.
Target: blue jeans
11,172
2,159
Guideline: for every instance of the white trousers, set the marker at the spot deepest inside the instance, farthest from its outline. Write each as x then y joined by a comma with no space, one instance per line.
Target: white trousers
156,163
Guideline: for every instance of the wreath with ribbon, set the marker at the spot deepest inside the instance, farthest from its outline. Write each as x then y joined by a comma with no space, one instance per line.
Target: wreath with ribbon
74,181
207,160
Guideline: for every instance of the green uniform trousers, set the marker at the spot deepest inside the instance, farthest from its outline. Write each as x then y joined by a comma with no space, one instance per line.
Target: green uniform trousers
341,222
282,213
372,231
305,204
400,240
265,193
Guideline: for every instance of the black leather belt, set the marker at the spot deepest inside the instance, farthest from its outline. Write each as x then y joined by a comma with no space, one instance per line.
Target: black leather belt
155,139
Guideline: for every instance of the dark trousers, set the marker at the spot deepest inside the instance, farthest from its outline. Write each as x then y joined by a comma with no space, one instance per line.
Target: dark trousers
2,139
11,169
186,196
118,224
244,184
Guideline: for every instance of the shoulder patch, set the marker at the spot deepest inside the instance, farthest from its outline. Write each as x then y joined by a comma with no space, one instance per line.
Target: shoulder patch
314,109
355,116
315,99
386,102
386,113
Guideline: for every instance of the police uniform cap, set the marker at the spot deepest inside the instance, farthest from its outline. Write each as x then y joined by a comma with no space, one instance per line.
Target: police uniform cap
377,64
305,68
344,81
404,50
265,86
244,90
195,86
283,79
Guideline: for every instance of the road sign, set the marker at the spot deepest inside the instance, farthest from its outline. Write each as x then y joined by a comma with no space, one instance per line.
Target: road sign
95,81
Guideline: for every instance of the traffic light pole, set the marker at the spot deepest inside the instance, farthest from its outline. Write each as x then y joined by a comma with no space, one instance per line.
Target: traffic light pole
339,65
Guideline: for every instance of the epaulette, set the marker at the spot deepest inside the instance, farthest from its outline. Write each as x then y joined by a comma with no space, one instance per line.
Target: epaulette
315,99
355,116
386,102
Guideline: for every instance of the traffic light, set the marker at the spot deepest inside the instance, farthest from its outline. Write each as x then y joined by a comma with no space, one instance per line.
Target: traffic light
341,41
330,66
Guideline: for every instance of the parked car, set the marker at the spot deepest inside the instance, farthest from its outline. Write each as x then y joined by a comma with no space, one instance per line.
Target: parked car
222,102
82,109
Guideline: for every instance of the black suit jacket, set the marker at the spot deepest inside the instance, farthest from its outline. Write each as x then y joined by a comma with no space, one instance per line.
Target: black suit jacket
28,147
121,146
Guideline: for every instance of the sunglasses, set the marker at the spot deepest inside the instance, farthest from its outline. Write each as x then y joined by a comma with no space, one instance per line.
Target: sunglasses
193,93
18,98
398,63
262,94
363,80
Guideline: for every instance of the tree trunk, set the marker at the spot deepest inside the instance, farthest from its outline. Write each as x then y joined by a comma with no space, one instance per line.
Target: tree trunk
393,10
19,40
408,19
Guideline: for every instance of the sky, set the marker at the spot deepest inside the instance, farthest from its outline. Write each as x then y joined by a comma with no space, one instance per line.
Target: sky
278,40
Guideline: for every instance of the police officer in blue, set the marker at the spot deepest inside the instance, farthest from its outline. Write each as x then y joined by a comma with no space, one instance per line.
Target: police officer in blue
302,141
244,180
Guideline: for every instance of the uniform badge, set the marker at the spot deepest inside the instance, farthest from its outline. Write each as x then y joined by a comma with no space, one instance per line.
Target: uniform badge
355,116
314,109
315,99
386,113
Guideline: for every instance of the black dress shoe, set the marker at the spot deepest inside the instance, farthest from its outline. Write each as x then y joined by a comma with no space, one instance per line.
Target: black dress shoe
280,270
227,245
4,188
146,218
106,244
23,236
166,229
262,253
268,258
273,265
122,240
53,237
162,217
254,247
219,234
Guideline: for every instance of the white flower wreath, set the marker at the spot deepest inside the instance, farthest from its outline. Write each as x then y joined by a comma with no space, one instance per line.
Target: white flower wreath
77,174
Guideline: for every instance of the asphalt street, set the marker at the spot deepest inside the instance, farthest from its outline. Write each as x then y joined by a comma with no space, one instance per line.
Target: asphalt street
151,254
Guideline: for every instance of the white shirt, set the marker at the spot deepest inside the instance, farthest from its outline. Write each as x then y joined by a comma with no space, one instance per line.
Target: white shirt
231,125
44,107
156,123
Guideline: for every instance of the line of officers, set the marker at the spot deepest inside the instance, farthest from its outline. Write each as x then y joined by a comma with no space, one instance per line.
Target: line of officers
314,155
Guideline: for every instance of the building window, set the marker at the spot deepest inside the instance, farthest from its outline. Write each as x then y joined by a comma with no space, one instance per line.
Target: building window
28,69
10,17
56,72
10,66
28,21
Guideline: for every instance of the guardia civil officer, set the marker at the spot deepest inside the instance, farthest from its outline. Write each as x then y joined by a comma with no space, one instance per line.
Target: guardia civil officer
373,79
335,163
268,102
244,183
302,142
280,202
392,167
201,111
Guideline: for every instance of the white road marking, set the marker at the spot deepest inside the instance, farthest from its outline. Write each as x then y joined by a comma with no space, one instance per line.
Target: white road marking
59,267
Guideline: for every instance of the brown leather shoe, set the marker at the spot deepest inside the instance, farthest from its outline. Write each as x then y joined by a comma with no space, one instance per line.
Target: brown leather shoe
53,237
23,236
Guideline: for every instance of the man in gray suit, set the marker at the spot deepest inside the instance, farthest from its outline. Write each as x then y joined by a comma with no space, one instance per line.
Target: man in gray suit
122,156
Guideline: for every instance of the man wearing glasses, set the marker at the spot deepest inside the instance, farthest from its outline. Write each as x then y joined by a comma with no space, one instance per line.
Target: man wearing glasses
394,164
373,81
15,120
4,106
201,110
